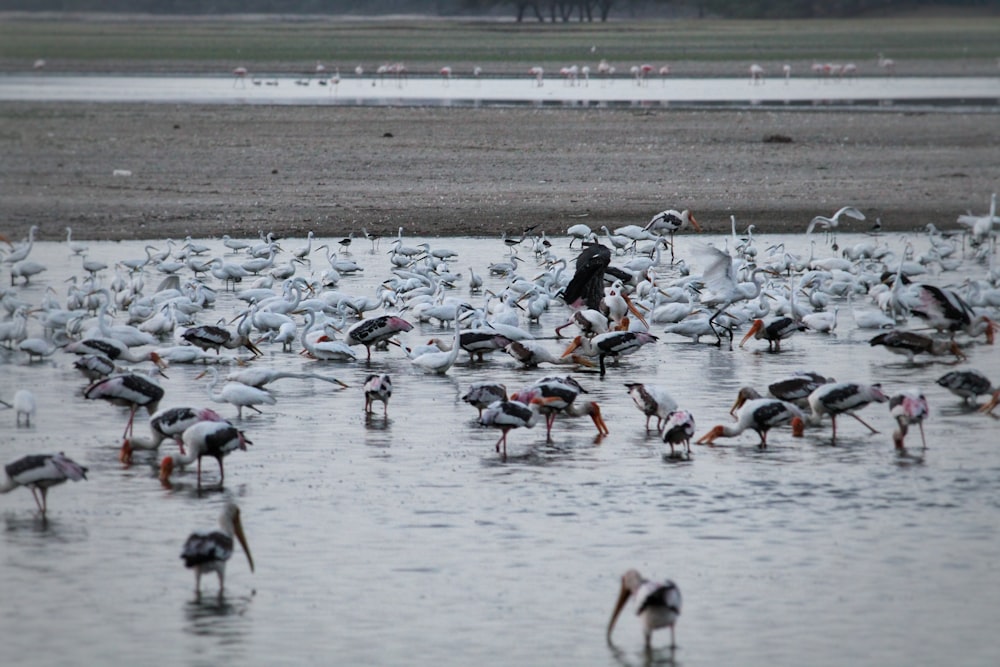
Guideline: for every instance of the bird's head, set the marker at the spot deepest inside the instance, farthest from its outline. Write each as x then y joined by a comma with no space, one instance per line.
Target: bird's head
158,360
798,427
166,470
745,394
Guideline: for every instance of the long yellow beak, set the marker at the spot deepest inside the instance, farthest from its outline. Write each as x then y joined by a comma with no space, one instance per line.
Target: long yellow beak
623,597
757,326
238,531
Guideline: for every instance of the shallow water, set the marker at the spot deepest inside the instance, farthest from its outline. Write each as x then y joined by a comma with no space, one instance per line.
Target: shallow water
407,539
799,91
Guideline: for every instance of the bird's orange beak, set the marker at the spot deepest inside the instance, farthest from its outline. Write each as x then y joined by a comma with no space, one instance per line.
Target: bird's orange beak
992,403
156,359
238,531
757,326
741,398
582,361
166,470
635,311
991,329
694,223
250,345
623,597
602,428
798,427
572,346
710,437
125,454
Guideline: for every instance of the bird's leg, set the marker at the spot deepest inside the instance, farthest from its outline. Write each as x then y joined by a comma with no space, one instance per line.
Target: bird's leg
34,493
833,420
603,370
499,440
254,408
922,439
863,422
222,473
199,473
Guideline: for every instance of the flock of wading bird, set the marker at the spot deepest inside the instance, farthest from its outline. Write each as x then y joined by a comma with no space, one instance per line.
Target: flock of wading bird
612,298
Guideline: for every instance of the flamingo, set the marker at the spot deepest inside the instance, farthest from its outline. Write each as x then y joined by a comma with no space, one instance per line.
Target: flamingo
837,398
756,74
760,415
130,390
652,400
236,393
657,603
887,65
207,438
240,74
40,472
208,551
378,388
24,406
506,415
907,408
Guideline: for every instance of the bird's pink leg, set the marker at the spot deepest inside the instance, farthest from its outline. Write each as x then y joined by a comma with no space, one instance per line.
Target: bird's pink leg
922,439
34,493
867,425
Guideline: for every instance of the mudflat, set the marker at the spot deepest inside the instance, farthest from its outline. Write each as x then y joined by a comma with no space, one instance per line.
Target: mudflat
138,171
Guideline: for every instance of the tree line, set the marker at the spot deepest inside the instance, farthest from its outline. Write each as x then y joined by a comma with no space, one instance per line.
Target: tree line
554,11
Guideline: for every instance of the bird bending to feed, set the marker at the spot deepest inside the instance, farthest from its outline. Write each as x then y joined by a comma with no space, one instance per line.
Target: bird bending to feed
908,407
211,337
909,344
167,424
760,415
945,310
483,394
215,439
652,400
208,551
613,344
794,389
378,388
678,429
773,331
40,472
967,384
507,415
657,604
838,398
555,395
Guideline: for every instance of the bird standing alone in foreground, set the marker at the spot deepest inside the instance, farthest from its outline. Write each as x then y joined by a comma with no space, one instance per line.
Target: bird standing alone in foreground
208,551
40,472
658,604
378,388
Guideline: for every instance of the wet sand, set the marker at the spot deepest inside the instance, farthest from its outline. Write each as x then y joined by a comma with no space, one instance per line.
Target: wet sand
205,171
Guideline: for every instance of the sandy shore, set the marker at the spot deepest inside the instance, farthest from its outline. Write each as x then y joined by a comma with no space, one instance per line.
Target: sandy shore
205,171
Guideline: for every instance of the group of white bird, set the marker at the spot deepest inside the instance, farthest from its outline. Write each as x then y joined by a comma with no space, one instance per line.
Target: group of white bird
109,318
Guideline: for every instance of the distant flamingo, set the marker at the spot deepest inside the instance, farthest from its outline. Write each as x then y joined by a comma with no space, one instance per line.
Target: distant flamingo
756,74
240,74
445,73
887,65
538,73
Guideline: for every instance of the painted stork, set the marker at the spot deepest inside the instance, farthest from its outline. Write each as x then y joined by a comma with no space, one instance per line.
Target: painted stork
483,394
967,385
652,400
40,472
795,389
167,424
613,344
507,415
657,604
378,388
945,310
214,439
909,344
678,429
376,330
773,331
130,390
211,337
907,408
759,415
838,398
113,349
208,551
555,395
671,221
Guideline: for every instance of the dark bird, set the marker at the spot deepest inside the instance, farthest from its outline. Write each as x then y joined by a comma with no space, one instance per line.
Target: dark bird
40,472
967,385
909,344
208,551
658,604
587,282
